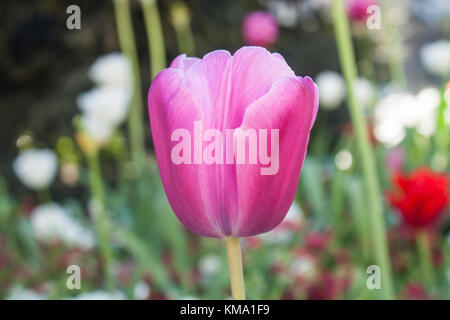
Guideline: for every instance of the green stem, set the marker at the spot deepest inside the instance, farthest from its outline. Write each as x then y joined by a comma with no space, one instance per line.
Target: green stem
235,266
155,36
128,47
426,262
101,218
185,41
358,208
395,52
345,48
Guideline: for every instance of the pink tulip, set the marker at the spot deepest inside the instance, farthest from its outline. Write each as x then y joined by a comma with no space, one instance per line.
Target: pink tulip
260,28
357,9
251,90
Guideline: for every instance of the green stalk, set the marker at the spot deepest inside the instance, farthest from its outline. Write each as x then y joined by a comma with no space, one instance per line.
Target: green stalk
426,263
235,267
396,66
181,19
185,41
128,47
101,218
358,208
155,36
347,60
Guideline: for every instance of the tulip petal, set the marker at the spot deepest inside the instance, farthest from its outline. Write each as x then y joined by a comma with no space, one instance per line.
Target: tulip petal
172,107
183,62
290,106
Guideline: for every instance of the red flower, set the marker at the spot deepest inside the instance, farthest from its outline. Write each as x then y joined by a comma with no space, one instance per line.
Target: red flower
421,196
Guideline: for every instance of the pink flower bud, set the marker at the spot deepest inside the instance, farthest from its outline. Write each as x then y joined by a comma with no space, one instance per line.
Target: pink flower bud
260,28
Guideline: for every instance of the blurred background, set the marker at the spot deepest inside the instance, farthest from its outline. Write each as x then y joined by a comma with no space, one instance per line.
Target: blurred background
79,184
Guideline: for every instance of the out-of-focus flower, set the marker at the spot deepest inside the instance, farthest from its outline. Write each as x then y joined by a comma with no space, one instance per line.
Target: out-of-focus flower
96,130
357,9
225,92
331,89
432,12
112,70
365,92
395,159
291,13
285,12
317,241
435,57
283,233
328,287
36,168
52,223
101,295
427,104
389,132
304,266
210,265
414,291
420,196
141,291
260,28
69,173
398,111
24,141
106,104
343,160
18,293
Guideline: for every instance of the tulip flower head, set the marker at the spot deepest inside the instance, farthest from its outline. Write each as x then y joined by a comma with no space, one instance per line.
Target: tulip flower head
230,135
260,28
421,196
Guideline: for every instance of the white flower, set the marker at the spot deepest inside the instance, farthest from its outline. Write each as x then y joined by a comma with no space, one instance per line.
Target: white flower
398,111
427,102
331,89
36,168
286,13
304,266
101,295
18,293
106,104
343,159
364,92
51,222
436,57
210,265
389,132
98,130
141,290
112,70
